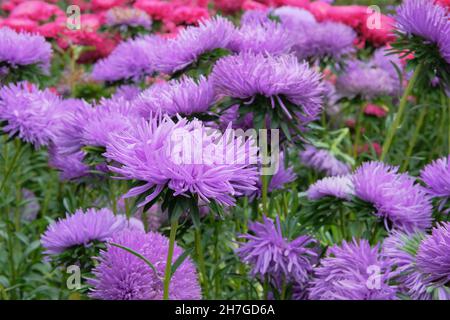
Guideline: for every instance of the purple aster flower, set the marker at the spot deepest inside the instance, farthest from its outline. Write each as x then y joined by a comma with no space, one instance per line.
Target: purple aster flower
254,17
400,250
161,154
178,53
396,196
185,97
130,60
436,176
127,92
23,49
433,256
278,180
71,166
427,20
294,18
127,17
81,229
272,255
30,113
338,186
323,161
352,271
31,207
247,75
123,276
327,39
383,60
109,117
366,80
266,38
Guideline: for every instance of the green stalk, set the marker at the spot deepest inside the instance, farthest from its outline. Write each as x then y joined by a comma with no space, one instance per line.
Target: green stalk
12,165
265,188
201,261
412,142
168,271
359,120
401,109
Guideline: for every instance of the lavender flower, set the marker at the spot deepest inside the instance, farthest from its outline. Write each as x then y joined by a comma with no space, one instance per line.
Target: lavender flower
30,113
338,186
396,197
436,176
24,49
81,229
272,255
346,273
71,166
327,39
266,38
323,161
278,180
127,92
160,153
293,18
130,61
426,20
400,250
178,53
366,80
109,117
127,17
247,75
255,17
123,276
433,256
185,97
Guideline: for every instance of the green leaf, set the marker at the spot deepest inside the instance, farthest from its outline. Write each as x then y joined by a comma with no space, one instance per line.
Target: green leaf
179,261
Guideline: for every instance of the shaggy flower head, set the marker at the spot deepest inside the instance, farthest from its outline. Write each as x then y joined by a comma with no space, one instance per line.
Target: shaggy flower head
247,75
433,257
323,161
400,250
130,61
30,113
339,187
327,39
267,38
160,154
178,53
396,197
109,117
23,49
427,20
345,274
123,276
366,80
293,18
185,97
81,229
436,176
270,254
128,17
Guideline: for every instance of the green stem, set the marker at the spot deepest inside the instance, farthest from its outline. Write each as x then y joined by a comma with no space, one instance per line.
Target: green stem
401,109
201,261
413,140
168,272
358,131
12,165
